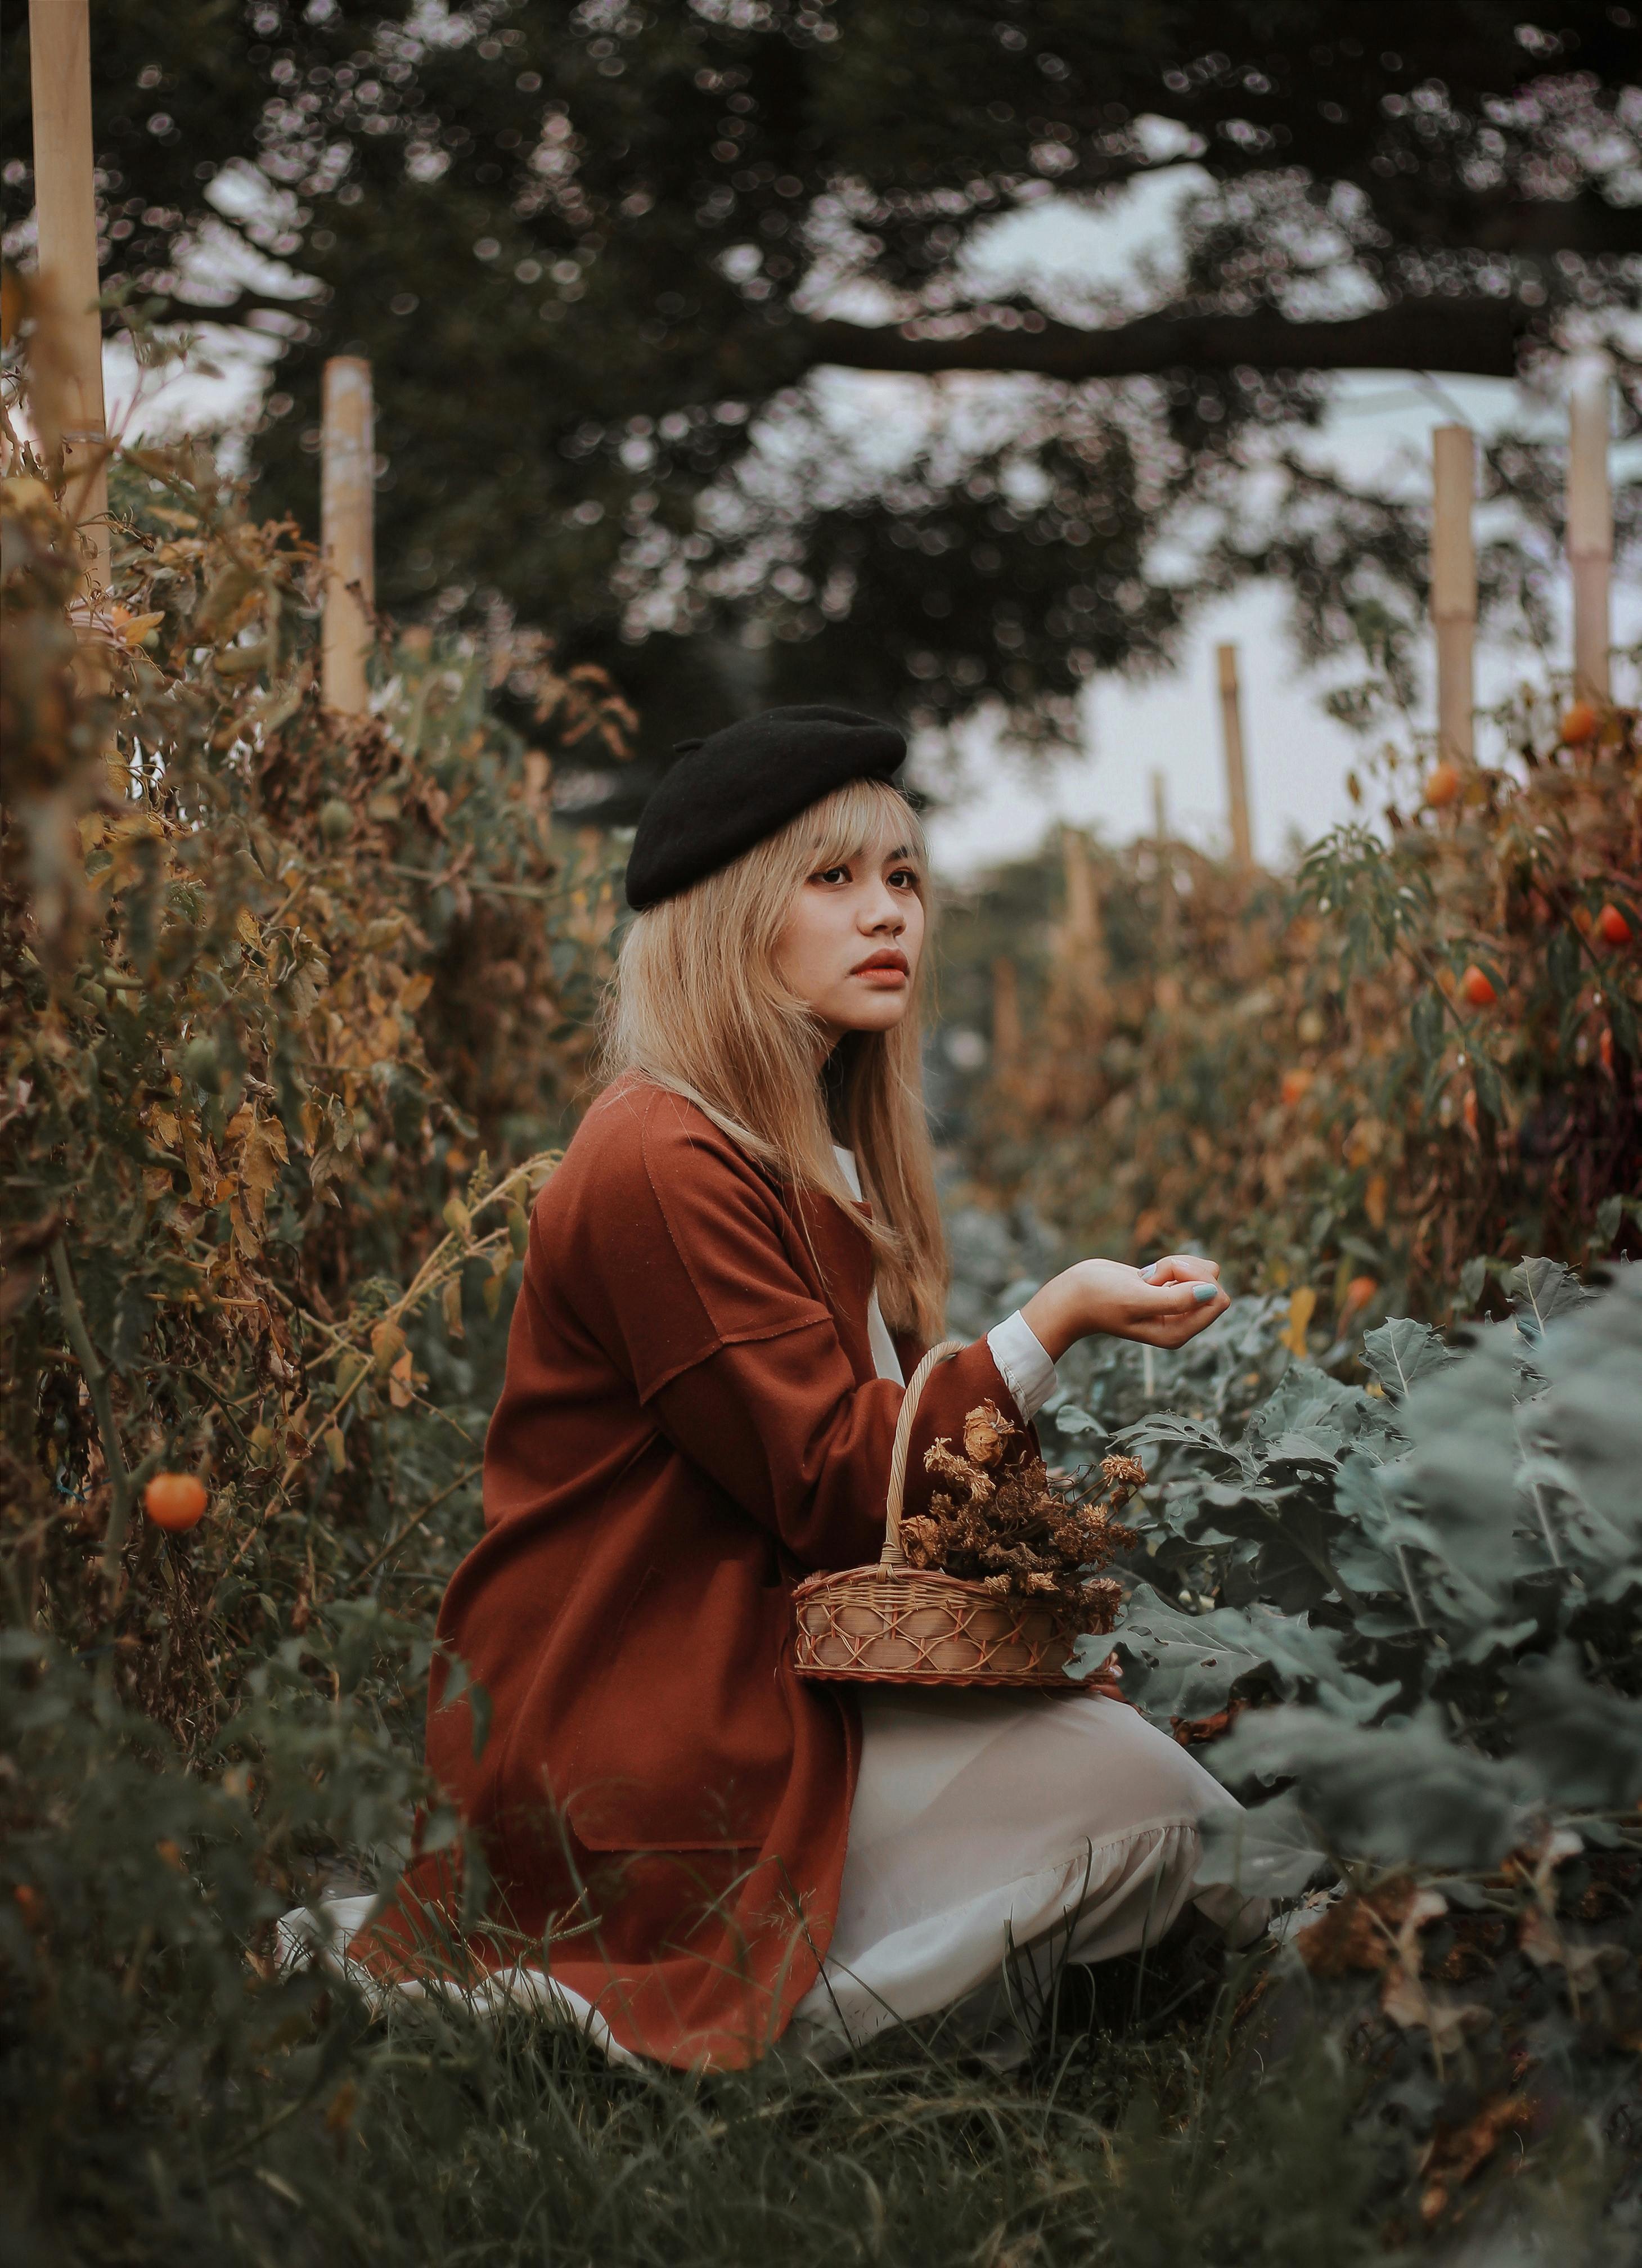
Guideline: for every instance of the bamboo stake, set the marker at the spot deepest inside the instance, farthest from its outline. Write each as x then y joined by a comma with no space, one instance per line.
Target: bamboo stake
1166,866
1005,1018
346,533
1083,909
1232,744
65,201
1454,587
1590,524
1081,943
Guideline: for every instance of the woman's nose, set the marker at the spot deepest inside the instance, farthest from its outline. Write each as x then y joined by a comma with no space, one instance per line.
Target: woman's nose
883,911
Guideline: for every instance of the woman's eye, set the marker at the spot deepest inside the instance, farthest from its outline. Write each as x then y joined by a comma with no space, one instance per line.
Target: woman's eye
903,878
832,874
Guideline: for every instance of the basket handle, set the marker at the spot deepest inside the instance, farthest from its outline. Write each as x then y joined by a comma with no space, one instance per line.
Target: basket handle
892,1555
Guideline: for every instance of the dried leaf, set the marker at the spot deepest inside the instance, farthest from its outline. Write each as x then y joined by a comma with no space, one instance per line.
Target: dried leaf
264,1152
1409,2005
1302,1307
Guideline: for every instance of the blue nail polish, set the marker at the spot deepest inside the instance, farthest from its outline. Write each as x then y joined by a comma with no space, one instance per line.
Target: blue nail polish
1202,1291
1149,1275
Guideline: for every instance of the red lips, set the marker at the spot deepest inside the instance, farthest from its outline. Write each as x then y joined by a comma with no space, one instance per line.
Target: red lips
890,960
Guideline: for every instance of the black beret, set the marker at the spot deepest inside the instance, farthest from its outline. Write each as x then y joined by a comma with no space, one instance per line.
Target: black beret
742,785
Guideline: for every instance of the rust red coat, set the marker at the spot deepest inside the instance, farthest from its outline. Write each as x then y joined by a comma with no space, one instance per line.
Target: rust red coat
690,1423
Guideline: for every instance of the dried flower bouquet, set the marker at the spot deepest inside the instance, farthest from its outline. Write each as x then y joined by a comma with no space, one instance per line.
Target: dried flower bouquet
998,1522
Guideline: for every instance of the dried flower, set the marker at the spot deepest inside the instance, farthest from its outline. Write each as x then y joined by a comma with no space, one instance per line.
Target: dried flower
1007,1530
986,1432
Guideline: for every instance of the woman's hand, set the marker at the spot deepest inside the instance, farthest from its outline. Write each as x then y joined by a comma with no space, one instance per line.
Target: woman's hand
1164,1305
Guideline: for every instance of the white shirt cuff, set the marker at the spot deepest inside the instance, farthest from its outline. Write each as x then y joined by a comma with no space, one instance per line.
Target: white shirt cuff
1028,1370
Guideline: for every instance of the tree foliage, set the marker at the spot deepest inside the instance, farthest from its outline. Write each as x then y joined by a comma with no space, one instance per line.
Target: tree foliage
606,260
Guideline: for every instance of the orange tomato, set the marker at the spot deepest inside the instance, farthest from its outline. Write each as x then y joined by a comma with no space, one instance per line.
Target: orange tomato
1605,1049
1359,1292
30,1904
1582,920
175,1501
1476,989
1294,1085
1578,723
1468,1110
1613,925
1442,785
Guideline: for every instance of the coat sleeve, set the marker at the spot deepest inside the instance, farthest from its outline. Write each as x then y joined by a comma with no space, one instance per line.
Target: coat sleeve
783,1427
690,1273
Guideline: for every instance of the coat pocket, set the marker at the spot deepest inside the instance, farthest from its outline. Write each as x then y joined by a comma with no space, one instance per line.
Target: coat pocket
628,1815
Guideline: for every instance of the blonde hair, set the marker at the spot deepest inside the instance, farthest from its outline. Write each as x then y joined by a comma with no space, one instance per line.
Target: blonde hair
696,1005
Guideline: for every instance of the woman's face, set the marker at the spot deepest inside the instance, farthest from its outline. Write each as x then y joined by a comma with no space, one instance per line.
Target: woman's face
850,944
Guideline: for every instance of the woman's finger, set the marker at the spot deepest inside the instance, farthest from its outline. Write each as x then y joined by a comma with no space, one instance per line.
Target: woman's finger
1185,1299
1181,1315
1180,1267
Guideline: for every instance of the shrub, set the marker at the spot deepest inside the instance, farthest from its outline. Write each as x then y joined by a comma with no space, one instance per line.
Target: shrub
1406,1618
264,1152
1303,1076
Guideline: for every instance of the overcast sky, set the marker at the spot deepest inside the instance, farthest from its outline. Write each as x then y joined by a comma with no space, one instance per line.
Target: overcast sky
1297,757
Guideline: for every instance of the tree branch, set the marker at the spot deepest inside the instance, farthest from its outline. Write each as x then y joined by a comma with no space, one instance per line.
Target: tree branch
1479,337
1587,225
232,313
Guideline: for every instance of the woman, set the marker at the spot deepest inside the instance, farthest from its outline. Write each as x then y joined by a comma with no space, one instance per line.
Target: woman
728,1277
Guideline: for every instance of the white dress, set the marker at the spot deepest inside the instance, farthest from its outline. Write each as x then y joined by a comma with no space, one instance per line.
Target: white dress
992,1835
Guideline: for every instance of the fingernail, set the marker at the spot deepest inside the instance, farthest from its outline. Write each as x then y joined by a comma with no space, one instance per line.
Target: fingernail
1149,1275
1201,1292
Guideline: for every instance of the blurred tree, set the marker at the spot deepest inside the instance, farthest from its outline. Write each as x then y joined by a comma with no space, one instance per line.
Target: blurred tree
607,257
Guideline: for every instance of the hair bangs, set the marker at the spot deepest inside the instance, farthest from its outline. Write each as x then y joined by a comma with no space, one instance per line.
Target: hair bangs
866,816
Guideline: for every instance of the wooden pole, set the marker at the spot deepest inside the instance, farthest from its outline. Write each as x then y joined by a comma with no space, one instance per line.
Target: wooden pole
1454,587
1082,943
1005,1018
346,533
1232,743
65,201
1165,867
1083,906
1590,524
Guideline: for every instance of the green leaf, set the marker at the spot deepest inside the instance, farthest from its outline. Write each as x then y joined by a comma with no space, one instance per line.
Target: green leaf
1399,1792
1269,1852
1401,1353
1182,1665
1541,1290
1425,1026
1583,1744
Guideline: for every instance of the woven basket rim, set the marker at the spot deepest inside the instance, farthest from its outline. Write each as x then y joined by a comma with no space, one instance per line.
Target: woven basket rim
875,1573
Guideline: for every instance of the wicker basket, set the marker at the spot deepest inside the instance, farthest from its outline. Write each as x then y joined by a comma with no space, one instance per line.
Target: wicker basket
892,1624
